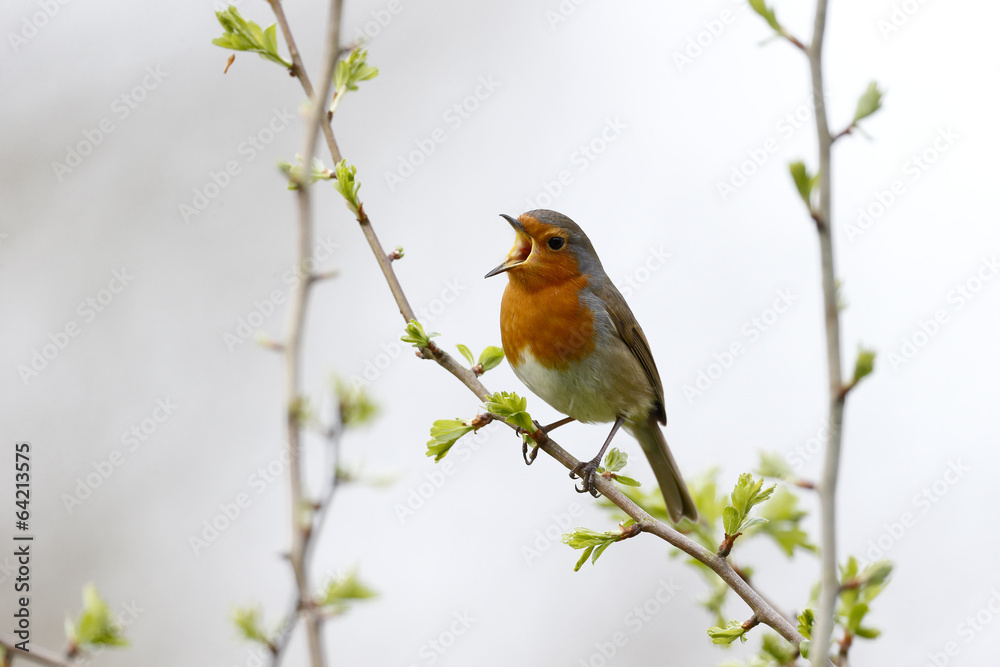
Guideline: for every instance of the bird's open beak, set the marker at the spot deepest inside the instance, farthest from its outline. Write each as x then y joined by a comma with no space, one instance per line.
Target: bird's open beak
519,253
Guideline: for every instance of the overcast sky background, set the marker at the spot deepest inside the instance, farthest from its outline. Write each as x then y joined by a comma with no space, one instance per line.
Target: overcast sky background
673,130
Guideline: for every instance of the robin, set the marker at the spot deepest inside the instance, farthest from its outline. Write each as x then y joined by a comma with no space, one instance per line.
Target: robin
571,338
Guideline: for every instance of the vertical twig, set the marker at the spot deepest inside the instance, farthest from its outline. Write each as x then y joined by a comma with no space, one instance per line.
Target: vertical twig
827,487
301,510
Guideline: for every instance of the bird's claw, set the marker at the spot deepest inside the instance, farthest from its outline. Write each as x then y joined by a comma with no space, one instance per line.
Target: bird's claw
529,454
586,472
539,436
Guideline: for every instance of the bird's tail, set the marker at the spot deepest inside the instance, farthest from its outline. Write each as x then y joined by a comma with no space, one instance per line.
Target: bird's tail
668,475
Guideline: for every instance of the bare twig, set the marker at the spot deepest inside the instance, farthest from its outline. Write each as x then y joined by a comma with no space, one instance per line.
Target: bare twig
303,514
743,575
39,656
827,487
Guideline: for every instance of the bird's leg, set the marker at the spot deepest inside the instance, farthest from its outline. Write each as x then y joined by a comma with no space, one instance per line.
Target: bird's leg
540,436
554,425
586,471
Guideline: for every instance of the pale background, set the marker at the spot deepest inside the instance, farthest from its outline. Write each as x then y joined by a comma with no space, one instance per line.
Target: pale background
653,189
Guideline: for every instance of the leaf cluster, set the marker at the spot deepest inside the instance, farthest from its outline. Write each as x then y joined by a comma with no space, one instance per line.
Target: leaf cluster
594,543
489,358
243,35
95,625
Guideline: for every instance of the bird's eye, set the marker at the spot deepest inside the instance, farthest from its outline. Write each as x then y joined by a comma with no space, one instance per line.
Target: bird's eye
557,242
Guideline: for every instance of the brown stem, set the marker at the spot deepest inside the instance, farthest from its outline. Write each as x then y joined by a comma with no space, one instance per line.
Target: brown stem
37,655
302,524
727,545
831,466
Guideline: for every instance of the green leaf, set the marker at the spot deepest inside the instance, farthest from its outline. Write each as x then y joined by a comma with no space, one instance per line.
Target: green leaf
615,460
746,494
467,353
583,558
768,14
318,172
772,464
416,336
849,570
347,185
804,181
727,635
95,625
806,620
592,542
353,69
858,590
350,71
505,403
778,648
243,35
784,517
522,420
865,363
731,520
247,620
342,590
354,404
491,357
855,616
444,434
710,504
869,103
511,408
877,572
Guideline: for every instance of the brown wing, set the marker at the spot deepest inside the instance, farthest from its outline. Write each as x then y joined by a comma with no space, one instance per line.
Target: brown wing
631,333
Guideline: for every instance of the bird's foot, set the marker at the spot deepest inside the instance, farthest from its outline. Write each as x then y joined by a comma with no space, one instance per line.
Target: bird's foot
586,473
529,452
540,436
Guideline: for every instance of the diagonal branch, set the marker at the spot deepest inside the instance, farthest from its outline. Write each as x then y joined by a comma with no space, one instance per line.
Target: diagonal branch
39,656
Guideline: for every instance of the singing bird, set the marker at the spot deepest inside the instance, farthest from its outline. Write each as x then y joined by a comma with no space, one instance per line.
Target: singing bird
571,338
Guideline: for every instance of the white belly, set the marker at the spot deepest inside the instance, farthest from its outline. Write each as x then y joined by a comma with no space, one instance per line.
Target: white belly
575,392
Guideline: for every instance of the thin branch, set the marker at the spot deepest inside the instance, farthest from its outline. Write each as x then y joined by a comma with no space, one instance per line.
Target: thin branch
303,522
796,43
298,68
743,575
764,612
827,487
39,656
843,133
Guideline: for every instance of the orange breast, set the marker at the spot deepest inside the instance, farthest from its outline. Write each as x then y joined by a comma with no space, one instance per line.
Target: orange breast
547,318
